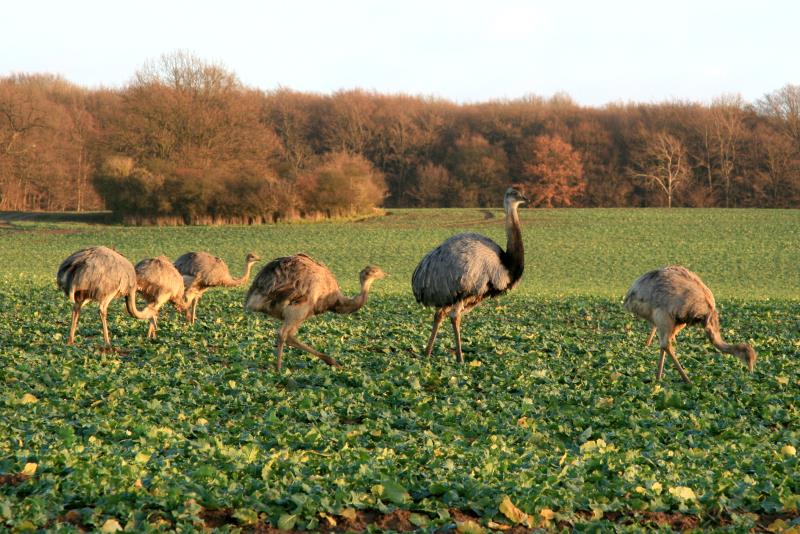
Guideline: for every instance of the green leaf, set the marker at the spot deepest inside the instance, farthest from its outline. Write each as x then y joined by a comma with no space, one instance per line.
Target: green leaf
287,521
395,492
418,520
247,516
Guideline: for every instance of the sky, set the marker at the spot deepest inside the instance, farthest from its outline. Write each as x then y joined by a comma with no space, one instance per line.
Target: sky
597,52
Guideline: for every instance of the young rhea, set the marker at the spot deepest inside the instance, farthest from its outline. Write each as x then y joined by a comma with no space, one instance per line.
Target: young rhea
100,274
160,282
294,288
468,268
671,298
202,271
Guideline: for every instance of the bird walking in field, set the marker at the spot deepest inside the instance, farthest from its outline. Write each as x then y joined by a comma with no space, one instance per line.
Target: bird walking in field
460,273
98,274
202,271
671,298
160,282
294,288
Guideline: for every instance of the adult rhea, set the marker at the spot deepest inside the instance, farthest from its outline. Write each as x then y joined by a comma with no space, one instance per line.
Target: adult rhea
460,273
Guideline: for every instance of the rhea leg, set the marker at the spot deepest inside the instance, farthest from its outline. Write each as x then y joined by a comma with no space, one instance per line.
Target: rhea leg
151,331
665,336
672,355
104,321
650,339
194,308
677,330
662,357
280,340
188,310
76,313
292,317
293,341
455,319
438,317
678,364
664,325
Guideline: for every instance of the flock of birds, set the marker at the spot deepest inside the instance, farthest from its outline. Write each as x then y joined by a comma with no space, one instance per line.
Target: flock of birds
453,278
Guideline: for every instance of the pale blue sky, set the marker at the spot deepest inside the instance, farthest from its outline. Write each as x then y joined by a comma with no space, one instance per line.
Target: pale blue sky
596,51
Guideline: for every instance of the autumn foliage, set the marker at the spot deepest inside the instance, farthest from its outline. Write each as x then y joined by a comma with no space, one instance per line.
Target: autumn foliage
554,173
186,142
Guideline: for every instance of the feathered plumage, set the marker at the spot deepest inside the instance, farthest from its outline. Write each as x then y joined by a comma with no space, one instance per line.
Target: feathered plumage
468,268
294,288
463,267
202,271
98,274
159,282
671,298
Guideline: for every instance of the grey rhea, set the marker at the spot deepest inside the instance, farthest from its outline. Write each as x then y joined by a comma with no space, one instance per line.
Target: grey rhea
468,268
671,298
98,274
160,282
202,271
294,288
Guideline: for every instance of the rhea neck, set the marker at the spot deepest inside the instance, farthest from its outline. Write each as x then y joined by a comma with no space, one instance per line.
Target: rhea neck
242,279
351,305
514,256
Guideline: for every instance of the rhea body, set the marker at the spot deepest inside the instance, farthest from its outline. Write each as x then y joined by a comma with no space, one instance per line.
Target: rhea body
201,271
468,268
294,288
671,298
98,274
160,282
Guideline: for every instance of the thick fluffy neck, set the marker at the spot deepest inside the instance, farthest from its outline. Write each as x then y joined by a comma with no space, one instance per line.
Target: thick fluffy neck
236,282
351,305
514,257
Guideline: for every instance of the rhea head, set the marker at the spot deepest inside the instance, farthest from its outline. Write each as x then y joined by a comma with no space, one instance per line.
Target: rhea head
513,198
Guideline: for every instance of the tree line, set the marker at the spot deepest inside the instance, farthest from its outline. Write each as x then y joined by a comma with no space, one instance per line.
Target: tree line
186,142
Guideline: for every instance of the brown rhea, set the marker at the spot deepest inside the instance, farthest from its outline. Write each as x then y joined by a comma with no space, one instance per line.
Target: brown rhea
294,288
98,274
201,271
671,298
160,282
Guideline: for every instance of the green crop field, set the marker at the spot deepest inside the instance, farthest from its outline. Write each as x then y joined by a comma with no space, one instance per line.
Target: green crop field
554,421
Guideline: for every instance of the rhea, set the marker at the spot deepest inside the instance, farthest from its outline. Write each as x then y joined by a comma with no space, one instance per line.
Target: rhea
98,274
294,288
671,298
160,282
202,271
468,268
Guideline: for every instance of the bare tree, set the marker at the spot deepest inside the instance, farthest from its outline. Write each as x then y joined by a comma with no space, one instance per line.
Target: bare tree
783,106
663,162
727,129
